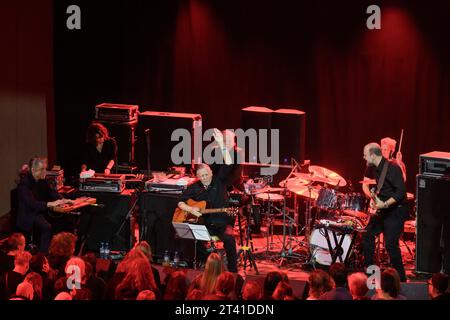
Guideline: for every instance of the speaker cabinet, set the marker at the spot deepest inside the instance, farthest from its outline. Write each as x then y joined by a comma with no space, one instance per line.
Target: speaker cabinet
161,125
291,124
433,227
108,223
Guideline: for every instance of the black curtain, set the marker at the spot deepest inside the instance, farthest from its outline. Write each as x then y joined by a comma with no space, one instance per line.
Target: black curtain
216,57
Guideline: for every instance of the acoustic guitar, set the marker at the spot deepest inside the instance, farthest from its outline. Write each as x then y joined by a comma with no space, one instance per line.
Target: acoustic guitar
184,216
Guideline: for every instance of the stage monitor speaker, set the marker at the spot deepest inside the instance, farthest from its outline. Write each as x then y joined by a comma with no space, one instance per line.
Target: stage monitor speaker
161,126
433,225
124,134
291,124
108,223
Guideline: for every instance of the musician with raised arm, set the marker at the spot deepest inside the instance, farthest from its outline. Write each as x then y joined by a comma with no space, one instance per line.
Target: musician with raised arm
35,197
212,189
389,204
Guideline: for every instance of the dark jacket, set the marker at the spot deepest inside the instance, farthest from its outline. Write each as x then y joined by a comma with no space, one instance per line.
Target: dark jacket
33,197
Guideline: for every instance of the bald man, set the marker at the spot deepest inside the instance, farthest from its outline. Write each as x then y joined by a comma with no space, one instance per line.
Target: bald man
390,204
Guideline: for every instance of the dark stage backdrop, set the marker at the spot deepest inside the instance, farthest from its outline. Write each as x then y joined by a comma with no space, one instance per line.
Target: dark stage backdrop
215,57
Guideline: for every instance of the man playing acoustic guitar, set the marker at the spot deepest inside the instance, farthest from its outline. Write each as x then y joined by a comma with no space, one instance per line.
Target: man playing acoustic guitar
389,201
212,190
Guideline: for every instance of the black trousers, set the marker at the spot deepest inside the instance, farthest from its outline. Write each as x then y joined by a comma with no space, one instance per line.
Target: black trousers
229,244
390,222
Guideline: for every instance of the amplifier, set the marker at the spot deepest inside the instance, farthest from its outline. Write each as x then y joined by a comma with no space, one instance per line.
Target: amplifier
116,112
101,183
435,163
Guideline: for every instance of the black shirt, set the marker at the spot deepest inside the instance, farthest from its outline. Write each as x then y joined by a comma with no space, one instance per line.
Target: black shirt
215,195
394,185
33,197
98,161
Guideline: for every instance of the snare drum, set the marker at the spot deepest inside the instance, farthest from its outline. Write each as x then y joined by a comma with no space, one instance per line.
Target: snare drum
356,205
271,203
329,199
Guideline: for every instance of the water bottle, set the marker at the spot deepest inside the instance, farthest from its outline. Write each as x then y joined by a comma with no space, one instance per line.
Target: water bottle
176,259
102,250
107,251
166,258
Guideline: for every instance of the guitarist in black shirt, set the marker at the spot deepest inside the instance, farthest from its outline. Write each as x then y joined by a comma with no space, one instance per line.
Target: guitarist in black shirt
213,191
389,202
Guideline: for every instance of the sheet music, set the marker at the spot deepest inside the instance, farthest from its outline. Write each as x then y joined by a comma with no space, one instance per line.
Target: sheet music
191,231
200,232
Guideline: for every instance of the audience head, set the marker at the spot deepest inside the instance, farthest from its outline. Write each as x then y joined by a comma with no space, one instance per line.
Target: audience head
319,283
145,248
146,295
139,277
194,294
270,283
177,286
213,268
438,285
39,263
22,261
63,245
225,284
357,283
283,291
35,280
252,290
390,282
338,271
16,242
63,296
25,290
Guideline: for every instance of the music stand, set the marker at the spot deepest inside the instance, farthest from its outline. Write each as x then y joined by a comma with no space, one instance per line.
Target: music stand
194,232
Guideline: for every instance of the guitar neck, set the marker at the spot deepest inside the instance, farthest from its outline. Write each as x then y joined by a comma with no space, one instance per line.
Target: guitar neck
218,210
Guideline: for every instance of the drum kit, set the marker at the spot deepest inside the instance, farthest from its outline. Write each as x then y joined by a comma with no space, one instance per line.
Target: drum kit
327,197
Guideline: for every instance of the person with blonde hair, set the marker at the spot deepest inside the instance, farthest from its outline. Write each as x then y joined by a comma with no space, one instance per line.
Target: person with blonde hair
24,291
139,277
206,281
35,280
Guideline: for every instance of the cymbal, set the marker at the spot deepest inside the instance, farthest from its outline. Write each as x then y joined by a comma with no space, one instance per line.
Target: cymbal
304,190
368,181
311,177
332,177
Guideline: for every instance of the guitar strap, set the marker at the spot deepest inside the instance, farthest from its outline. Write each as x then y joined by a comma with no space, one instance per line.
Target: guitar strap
382,176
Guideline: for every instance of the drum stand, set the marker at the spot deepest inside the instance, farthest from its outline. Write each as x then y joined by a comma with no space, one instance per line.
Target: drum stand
247,251
287,249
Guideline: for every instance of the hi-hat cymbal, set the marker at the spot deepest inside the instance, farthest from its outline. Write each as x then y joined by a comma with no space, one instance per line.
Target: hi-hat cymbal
332,177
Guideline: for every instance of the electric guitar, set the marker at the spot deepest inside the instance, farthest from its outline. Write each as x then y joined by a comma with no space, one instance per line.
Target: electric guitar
184,216
374,200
